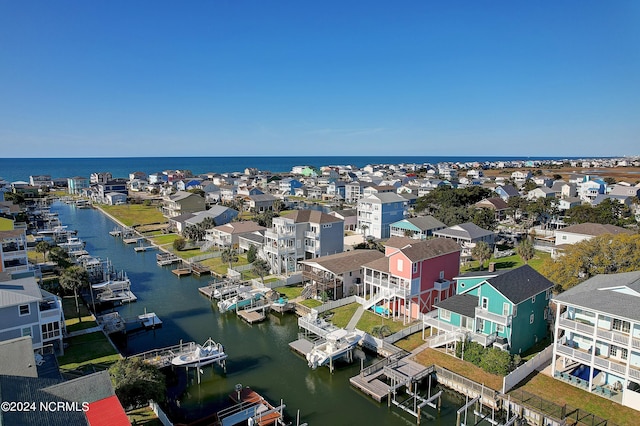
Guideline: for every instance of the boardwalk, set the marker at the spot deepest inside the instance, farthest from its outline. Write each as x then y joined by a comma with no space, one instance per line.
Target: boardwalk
162,357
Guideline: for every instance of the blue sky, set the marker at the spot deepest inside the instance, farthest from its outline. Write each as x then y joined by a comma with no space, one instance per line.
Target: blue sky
208,78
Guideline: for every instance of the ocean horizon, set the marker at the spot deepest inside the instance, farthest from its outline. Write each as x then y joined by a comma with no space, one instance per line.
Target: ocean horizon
19,169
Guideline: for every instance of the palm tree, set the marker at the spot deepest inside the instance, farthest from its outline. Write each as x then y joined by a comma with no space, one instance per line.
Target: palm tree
43,247
481,252
364,227
525,250
381,331
229,255
74,278
261,268
59,256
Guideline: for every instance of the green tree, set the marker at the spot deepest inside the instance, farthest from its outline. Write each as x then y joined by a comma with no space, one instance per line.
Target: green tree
179,244
43,247
484,218
481,252
525,250
252,254
60,257
261,268
74,278
496,361
604,254
136,382
529,185
230,256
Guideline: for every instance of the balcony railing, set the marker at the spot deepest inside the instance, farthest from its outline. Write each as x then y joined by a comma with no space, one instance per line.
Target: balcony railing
311,235
483,339
576,326
441,285
490,316
613,336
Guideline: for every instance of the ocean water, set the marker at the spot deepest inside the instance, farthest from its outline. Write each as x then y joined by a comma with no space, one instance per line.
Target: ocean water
14,169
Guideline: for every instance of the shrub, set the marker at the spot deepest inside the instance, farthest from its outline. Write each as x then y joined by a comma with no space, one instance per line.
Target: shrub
179,244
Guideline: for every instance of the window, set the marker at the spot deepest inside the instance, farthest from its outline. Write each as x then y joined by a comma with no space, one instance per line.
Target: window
400,265
499,328
624,353
480,325
548,294
485,303
50,330
515,310
621,325
505,309
531,318
445,315
441,275
24,310
326,225
415,268
533,299
26,331
613,351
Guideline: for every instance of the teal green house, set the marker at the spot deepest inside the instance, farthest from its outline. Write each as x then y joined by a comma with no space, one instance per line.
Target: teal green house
506,309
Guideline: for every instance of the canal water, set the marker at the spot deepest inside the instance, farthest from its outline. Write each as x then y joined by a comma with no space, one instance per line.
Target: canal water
259,354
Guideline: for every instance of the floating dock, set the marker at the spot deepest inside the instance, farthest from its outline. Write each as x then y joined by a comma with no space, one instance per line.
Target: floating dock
131,240
199,269
145,248
181,271
256,314
150,320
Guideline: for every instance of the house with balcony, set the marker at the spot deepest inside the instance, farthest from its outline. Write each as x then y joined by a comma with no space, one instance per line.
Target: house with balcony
411,277
377,212
182,202
507,309
418,228
497,204
467,235
228,235
338,275
597,337
27,310
76,184
13,251
301,235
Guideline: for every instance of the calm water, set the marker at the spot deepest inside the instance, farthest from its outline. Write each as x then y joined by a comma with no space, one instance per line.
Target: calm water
259,355
13,169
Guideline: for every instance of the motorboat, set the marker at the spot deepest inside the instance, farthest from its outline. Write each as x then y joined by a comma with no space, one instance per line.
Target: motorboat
204,354
241,300
336,344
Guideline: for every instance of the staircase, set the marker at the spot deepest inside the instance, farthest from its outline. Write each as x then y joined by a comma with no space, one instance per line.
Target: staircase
375,300
443,339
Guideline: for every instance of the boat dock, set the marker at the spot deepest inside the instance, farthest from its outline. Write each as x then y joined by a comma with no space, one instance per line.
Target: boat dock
181,271
164,259
162,357
131,240
254,314
251,405
114,323
199,269
142,247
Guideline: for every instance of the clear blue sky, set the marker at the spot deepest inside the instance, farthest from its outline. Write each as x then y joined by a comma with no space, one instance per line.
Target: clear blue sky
207,78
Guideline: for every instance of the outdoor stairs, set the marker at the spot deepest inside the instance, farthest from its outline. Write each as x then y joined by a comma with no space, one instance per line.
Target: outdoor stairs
443,339
374,301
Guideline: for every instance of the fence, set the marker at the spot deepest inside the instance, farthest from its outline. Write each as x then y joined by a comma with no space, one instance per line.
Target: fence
204,256
519,374
467,387
404,333
335,304
161,415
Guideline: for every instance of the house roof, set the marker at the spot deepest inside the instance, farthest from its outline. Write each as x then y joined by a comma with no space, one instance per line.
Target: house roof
422,223
428,249
495,203
381,264
12,233
464,230
345,213
614,294
510,190
340,263
181,195
107,412
520,284
594,229
182,218
386,197
311,216
262,198
19,356
19,291
240,227
253,237
463,304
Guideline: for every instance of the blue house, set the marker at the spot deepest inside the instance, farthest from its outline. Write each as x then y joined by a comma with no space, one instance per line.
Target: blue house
507,309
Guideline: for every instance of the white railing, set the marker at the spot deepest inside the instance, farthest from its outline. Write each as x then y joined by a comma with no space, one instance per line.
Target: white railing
576,326
50,313
443,339
490,316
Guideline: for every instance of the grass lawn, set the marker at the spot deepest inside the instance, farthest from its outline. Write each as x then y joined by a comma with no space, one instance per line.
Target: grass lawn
562,393
71,315
510,262
135,214
311,303
92,348
343,314
164,239
410,342
370,320
430,356
290,291
218,266
143,417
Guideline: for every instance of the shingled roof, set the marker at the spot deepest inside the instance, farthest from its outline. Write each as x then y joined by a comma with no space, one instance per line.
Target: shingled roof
418,250
595,229
463,304
311,216
340,263
615,294
520,284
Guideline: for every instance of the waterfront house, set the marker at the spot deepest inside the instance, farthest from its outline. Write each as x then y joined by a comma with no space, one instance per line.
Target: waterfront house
412,276
228,235
337,275
584,231
301,235
418,228
377,212
182,202
27,310
597,337
467,235
13,251
76,184
115,198
113,185
507,309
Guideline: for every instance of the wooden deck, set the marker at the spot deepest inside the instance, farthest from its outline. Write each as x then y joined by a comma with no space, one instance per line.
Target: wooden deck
302,346
252,316
199,269
162,357
181,271
264,413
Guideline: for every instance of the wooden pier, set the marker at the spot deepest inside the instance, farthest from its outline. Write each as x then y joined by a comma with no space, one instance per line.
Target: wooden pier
142,248
181,271
199,269
131,240
164,259
255,314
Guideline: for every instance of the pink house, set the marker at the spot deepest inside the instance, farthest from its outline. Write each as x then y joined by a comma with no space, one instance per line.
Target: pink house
412,277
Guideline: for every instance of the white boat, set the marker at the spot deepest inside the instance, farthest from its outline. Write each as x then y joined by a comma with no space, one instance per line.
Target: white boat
113,285
336,344
73,244
229,290
204,354
241,300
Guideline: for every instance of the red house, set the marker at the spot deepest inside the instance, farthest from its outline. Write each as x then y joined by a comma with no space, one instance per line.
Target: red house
412,277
